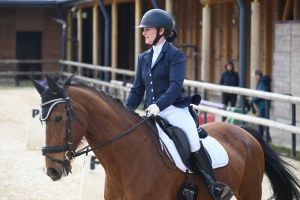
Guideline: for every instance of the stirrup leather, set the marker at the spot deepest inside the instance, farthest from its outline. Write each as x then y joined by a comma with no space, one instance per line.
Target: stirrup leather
204,167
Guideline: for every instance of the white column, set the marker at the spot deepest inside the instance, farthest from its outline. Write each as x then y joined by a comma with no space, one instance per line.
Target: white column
114,38
255,50
95,34
69,35
169,6
206,44
138,36
96,38
79,34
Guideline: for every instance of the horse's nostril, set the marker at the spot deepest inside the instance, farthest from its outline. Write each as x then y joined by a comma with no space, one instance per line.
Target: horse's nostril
52,173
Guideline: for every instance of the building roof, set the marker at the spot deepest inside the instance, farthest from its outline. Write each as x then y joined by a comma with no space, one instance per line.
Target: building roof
52,3
33,3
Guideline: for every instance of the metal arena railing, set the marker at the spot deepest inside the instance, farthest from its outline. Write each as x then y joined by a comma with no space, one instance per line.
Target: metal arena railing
211,87
16,73
123,89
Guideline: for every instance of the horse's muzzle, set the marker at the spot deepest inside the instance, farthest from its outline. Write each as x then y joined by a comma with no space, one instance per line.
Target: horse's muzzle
53,174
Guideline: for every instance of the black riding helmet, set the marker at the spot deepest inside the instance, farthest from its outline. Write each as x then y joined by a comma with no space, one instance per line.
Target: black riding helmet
159,19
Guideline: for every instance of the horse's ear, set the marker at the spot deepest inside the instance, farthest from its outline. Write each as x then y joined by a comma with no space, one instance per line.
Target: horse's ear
52,85
40,88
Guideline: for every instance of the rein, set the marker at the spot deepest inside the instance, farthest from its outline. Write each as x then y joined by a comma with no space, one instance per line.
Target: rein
68,148
80,152
109,141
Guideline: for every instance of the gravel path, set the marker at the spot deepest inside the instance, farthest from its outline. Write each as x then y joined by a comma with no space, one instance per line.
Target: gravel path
21,174
21,170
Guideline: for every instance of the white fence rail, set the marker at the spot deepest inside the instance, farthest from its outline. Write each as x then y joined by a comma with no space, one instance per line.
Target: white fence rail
97,68
250,119
21,61
209,86
195,84
99,82
244,91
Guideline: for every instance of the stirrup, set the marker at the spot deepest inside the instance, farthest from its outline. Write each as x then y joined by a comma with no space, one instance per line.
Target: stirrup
226,194
222,194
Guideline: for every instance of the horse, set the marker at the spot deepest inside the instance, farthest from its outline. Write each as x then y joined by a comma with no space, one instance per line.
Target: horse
128,150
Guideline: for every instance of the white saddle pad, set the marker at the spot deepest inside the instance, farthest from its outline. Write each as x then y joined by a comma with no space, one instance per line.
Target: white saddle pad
216,151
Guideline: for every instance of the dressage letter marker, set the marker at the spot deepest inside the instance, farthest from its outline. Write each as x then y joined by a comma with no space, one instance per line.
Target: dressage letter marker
35,113
93,175
34,134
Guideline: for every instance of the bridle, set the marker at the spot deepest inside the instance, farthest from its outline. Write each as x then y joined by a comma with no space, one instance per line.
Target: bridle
69,149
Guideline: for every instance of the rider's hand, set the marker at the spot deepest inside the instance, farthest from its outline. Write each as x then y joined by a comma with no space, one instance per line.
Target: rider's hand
153,109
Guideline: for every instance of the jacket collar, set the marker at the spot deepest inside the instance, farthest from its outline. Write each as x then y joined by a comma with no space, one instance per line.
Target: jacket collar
149,54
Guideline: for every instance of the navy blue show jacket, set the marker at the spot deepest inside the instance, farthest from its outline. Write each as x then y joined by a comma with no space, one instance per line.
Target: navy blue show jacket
162,83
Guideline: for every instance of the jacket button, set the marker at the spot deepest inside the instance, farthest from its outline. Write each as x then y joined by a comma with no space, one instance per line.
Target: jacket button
153,98
152,90
149,74
151,82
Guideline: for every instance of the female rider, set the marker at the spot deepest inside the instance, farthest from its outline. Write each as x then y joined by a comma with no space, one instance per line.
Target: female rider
160,72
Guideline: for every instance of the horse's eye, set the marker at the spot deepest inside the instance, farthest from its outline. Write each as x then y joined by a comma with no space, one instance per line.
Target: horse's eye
58,119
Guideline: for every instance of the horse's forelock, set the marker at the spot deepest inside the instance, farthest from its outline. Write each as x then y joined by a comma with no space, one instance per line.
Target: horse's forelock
48,95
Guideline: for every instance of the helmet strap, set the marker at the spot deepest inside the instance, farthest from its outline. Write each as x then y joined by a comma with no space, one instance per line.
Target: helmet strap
157,36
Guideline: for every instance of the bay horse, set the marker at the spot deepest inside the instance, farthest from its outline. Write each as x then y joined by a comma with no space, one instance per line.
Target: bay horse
130,156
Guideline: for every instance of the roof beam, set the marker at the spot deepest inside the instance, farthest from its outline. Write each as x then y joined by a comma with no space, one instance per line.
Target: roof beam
28,4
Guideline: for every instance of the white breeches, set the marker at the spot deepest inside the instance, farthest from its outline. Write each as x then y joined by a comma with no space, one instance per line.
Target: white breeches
181,118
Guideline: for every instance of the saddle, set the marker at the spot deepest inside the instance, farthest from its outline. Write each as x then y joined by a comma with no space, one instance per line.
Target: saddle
180,138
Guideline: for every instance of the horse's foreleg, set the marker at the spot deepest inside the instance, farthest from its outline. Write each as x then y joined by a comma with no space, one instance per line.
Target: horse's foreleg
111,192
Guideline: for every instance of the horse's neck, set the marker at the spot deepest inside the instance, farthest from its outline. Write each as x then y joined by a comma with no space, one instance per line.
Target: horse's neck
135,148
105,123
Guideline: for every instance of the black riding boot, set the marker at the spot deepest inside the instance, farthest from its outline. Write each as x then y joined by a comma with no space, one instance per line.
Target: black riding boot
204,167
